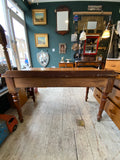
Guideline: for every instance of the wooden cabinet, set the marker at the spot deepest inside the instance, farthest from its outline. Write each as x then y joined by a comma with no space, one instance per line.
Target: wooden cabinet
113,111
98,64
112,106
115,96
113,64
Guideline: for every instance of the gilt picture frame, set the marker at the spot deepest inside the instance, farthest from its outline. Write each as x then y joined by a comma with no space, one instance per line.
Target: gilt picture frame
39,16
41,40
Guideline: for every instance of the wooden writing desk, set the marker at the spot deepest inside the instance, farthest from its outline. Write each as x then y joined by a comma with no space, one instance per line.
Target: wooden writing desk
60,77
99,64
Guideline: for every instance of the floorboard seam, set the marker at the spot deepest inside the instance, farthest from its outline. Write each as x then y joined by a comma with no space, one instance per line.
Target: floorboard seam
76,151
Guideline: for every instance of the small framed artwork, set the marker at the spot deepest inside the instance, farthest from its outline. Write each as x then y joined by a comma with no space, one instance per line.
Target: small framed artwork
62,48
41,40
39,16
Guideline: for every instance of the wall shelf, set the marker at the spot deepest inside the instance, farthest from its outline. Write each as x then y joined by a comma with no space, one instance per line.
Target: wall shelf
92,13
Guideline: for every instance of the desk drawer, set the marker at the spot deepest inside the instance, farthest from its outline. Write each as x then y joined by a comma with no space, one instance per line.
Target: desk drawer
115,96
69,65
113,112
117,83
113,64
61,65
97,94
66,65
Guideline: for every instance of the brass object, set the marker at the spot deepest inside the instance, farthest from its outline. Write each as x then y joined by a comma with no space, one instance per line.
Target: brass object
80,122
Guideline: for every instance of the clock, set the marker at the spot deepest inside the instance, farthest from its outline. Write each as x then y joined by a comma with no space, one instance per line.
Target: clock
43,58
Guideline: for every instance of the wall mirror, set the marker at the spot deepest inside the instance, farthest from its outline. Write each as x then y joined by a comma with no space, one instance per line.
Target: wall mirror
91,44
62,19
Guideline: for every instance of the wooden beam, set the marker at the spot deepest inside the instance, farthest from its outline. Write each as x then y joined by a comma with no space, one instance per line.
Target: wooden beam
92,13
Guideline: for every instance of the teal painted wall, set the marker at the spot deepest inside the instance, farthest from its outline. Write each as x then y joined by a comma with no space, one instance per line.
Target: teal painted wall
23,4
50,28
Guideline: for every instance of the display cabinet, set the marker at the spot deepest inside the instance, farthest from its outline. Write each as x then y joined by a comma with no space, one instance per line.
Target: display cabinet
91,44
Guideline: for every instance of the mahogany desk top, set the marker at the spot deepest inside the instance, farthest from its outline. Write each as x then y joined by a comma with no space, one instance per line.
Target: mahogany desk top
59,77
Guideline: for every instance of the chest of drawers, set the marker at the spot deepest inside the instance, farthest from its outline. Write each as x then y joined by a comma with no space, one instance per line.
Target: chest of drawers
112,106
66,65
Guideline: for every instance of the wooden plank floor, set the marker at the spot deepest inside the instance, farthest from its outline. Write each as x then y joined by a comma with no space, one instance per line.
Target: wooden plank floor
50,131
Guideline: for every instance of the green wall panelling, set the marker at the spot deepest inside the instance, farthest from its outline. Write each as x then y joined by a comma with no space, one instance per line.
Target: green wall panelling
50,28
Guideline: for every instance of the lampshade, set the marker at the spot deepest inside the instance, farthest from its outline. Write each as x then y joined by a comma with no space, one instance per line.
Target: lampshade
106,33
82,36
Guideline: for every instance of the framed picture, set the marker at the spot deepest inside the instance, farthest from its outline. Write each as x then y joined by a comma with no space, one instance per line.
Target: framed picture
39,16
62,48
41,40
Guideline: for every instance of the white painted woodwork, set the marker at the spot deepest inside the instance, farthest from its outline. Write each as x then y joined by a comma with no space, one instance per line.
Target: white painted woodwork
50,132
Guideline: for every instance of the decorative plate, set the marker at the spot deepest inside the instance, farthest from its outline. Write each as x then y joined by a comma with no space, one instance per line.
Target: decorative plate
43,58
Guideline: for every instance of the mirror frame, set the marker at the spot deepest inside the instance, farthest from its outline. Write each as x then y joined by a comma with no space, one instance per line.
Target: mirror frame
61,9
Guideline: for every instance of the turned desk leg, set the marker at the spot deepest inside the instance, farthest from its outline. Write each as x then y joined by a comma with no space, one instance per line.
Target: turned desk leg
15,97
102,104
87,91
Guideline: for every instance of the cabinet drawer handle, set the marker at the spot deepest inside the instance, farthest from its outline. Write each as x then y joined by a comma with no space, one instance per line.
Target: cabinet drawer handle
117,97
97,95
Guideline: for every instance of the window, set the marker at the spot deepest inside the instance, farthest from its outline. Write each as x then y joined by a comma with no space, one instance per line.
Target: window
12,20
15,9
3,22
